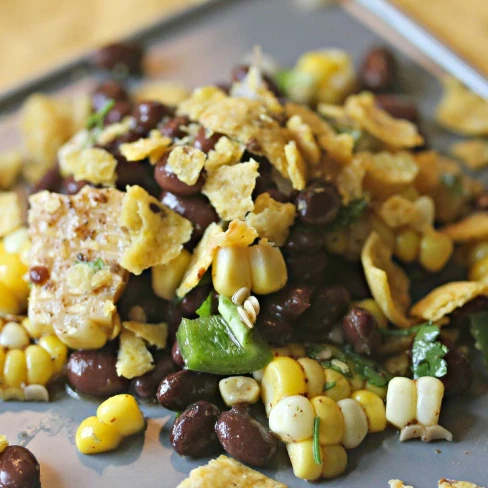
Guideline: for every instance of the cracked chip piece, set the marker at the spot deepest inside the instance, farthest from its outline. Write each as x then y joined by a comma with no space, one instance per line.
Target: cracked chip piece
474,227
398,484
296,168
443,483
305,139
11,212
473,153
10,167
133,358
186,162
200,99
157,233
225,153
272,219
154,334
225,472
166,92
229,189
79,241
152,147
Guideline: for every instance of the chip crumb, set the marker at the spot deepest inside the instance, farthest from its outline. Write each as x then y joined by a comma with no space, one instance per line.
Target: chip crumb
225,153
10,167
200,99
154,334
186,162
239,233
166,92
304,137
133,358
473,153
474,227
11,212
152,147
296,168
398,484
444,483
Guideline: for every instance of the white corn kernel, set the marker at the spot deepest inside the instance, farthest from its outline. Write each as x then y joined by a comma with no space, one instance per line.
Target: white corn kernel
240,296
292,419
429,399
314,376
268,269
401,401
258,375
239,389
14,336
355,423
231,270
36,393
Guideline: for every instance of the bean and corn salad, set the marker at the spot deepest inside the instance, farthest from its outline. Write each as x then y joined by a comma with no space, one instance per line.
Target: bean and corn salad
243,254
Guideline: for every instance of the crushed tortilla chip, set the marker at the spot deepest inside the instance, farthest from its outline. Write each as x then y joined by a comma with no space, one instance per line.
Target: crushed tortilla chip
91,164
201,259
186,162
152,147
10,167
398,484
200,99
112,131
397,133
303,135
474,153
313,120
472,228
229,189
166,92
462,111
239,233
443,483
157,233
387,282
297,171
349,181
443,300
11,214
225,472
154,334
225,153
397,211
133,358
272,219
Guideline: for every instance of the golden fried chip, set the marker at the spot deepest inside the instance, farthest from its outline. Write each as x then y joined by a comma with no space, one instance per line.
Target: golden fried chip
350,179
474,153
225,472
397,133
239,233
110,132
152,147
443,300
154,334
462,111
272,219
443,483
387,282
11,214
200,99
398,484
157,233
318,125
472,228
229,189
201,259
303,135
186,162
297,171
133,358
429,172
225,153
166,92
397,211
10,167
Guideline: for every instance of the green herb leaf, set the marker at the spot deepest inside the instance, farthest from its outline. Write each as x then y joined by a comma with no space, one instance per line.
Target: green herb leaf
399,332
178,413
316,444
97,119
296,85
479,330
97,264
205,309
329,385
368,369
349,214
454,183
427,353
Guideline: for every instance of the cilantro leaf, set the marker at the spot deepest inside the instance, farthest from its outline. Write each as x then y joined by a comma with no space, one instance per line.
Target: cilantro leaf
97,264
316,441
205,309
428,353
453,183
296,85
97,119
329,385
479,330
349,214
368,369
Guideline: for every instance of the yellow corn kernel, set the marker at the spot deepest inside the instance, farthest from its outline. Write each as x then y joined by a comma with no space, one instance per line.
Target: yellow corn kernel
336,242
398,364
40,366
331,423
401,401
297,350
15,369
386,234
356,382
231,270
337,385
14,336
123,413
374,408
3,355
335,461
3,443
407,245
36,330
8,302
268,269
16,240
56,349
12,272
476,252
377,390
410,193
239,389
373,308
479,270
281,351
167,277
94,436
435,251
314,376
282,377
302,460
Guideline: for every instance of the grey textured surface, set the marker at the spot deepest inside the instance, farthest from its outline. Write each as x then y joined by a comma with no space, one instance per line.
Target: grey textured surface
202,49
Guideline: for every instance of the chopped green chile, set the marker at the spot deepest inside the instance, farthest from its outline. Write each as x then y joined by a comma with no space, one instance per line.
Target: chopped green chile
205,309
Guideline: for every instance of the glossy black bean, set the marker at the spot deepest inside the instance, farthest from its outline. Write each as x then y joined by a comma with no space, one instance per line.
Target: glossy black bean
319,203
122,57
147,115
51,181
275,329
244,438
176,355
459,377
378,71
180,389
304,240
290,302
193,432
206,142
330,303
460,317
173,128
398,107
239,72
108,90
19,468
350,275
71,187
94,373
481,202
361,331
307,268
118,112
192,301
146,386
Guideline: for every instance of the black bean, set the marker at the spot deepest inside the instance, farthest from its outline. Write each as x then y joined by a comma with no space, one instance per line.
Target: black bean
239,72
123,57
481,202
108,90
148,115
307,268
176,355
206,142
275,329
318,204
173,128
460,317
146,386
180,389
197,209
244,438
193,432
118,112
304,240
350,275
330,303
94,373
290,302
19,468
378,70
398,107
361,331
51,181
459,377
71,187
39,275
192,301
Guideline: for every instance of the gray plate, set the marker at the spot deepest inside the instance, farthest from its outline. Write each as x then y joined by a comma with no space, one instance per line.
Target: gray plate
198,48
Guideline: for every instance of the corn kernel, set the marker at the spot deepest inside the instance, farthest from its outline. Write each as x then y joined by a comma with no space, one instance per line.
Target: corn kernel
284,351
13,394
15,369
397,365
336,242
14,336
377,390
410,193
407,245
297,350
268,269
339,385
356,382
401,401
167,277
3,443
314,376
302,460
36,393
40,366
374,309
331,423
36,330
282,377
386,234
374,408
8,302
12,271
16,240
94,436
231,270
123,413
335,461
435,251
355,423
3,355
239,389
479,270
56,349
430,391
476,252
